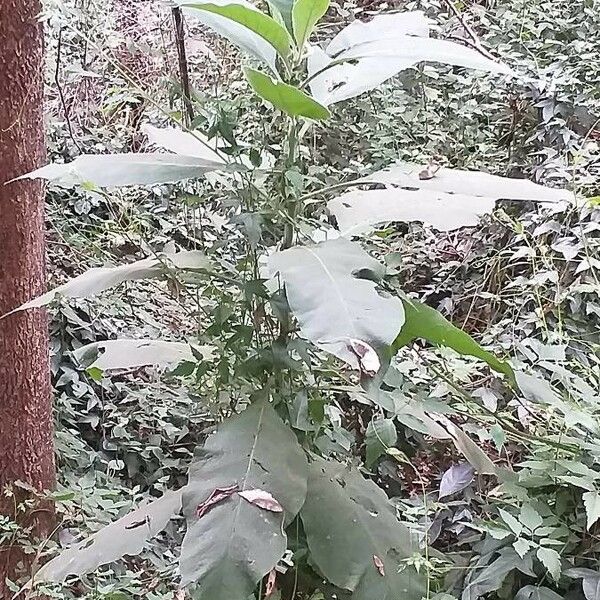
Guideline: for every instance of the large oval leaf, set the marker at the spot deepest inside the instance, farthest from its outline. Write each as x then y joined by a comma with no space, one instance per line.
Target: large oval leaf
111,355
336,310
380,27
353,533
99,279
387,579
305,15
422,321
116,170
425,49
286,97
471,183
182,142
380,49
254,20
445,198
358,211
125,537
333,81
244,38
232,543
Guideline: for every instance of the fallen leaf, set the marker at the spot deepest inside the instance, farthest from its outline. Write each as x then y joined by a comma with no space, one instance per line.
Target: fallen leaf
270,588
379,565
216,496
261,499
455,479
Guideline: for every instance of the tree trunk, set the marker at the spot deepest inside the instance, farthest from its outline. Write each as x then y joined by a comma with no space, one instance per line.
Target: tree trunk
26,448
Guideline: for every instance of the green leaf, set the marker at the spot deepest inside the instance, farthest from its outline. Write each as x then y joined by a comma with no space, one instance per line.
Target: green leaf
582,482
530,517
230,545
299,409
182,142
111,355
117,170
385,580
338,312
358,211
252,19
460,197
534,592
348,521
98,279
591,501
485,578
424,322
125,537
582,572
286,97
247,40
466,183
550,558
497,533
305,15
364,55
469,449
521,547
511,521
95,373
284,8
591,588
380,435
539,390
498,436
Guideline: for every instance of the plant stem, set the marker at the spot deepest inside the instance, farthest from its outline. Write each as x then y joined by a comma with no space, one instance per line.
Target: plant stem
183,66
505,424
333,188
290,206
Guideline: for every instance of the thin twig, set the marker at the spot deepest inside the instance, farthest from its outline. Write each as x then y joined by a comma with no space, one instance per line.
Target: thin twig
469,31
183,65
60,90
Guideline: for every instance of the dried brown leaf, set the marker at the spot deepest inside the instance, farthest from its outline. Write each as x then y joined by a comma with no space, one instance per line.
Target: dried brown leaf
261,499
379,565
270,587
216,496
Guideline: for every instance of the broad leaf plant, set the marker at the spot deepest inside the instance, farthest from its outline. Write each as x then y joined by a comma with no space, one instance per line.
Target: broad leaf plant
267,480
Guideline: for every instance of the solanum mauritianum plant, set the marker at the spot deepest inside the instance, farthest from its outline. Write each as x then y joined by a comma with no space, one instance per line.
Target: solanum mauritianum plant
265,481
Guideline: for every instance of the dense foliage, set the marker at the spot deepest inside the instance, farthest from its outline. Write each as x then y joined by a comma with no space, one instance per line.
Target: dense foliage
486,449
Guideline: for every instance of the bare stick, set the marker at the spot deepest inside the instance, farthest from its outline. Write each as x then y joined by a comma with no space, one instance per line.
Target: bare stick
60,90
183,65
474,37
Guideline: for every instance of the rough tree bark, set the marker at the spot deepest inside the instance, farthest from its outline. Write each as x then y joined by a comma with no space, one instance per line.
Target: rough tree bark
26,448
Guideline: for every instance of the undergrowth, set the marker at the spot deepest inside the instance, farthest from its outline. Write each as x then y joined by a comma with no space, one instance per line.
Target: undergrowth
524,283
